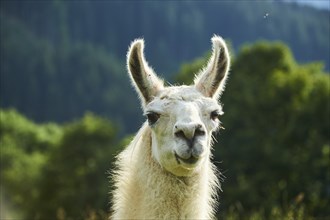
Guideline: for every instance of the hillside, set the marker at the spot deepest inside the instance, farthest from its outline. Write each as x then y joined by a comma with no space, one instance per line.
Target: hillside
60,59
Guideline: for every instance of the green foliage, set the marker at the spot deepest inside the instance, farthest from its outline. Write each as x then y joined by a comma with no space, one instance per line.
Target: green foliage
275,149
187,71
293,213
60,171
185,76
24,150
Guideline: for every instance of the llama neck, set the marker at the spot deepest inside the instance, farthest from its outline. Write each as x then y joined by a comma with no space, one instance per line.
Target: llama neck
163,195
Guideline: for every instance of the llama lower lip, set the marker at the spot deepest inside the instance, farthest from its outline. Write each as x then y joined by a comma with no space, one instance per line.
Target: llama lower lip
190,160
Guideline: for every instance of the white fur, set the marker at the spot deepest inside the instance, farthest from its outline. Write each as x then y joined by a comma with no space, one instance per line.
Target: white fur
166,171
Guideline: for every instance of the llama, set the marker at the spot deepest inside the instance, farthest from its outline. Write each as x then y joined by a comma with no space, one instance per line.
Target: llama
166,172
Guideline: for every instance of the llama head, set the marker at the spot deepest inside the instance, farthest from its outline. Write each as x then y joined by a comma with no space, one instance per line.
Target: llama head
181,118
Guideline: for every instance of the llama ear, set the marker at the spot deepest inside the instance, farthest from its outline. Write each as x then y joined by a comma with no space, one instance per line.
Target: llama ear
211,81
143,77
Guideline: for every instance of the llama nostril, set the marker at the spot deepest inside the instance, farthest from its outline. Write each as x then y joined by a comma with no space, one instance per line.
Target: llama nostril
180,134
199,132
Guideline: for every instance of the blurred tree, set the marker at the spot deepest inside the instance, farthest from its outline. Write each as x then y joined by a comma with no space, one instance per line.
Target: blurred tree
74,181
185,74
275,149
50,170
284,128
24,151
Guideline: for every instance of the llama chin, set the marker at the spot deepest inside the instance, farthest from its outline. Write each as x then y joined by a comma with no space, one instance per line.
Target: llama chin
166,171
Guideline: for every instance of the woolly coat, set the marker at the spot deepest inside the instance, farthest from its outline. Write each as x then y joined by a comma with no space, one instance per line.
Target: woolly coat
144,190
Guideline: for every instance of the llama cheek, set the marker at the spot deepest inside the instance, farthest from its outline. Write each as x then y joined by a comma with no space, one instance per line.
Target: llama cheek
163,152
156,149
211,126
155,154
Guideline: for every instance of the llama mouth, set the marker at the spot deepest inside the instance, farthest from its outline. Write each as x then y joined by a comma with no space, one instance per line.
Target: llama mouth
191,160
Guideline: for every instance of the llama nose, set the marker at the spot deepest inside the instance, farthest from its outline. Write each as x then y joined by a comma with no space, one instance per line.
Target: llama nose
188,131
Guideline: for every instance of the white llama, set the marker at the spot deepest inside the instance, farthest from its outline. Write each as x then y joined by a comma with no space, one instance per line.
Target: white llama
166,171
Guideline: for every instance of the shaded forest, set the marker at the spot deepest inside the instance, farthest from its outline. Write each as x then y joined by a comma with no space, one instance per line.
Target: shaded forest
67,106
62,58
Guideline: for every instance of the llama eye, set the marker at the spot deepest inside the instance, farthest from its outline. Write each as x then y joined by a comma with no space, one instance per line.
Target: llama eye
215,115
152,117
